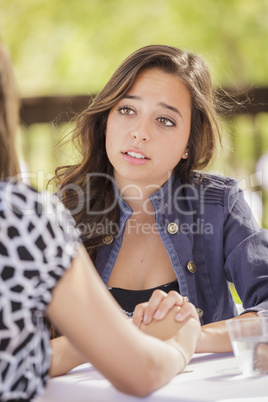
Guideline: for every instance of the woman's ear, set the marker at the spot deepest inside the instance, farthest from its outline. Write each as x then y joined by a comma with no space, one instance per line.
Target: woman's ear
185,154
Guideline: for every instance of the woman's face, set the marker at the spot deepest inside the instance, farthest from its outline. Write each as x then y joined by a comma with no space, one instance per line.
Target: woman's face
148,129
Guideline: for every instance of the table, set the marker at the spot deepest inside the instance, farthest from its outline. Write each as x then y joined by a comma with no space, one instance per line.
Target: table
207,378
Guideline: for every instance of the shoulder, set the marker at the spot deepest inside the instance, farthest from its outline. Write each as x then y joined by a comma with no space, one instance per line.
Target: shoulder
16,188
17,198
21,200
20,203
211,188
37,237
200,179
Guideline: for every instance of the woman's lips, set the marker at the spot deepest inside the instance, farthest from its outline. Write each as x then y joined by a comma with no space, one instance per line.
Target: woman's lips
135,157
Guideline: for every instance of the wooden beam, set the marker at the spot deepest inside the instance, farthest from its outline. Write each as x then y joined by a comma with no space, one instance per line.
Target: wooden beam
48,109
252,101
59,109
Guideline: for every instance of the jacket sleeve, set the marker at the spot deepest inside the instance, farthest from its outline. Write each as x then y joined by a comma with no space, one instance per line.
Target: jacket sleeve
245,251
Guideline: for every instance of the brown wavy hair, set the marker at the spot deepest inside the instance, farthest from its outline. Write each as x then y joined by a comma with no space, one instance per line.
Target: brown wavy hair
9,117
89,135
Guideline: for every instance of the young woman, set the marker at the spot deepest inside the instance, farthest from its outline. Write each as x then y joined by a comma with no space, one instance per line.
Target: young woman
46,272
153,224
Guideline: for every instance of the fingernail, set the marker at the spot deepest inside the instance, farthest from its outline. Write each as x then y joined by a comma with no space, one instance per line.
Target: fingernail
157,314
178,316
145,319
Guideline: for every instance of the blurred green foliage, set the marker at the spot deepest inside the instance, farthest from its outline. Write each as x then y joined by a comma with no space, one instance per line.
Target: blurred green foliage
73,46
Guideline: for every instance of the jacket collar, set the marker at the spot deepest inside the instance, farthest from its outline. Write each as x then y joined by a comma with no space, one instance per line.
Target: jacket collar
159,196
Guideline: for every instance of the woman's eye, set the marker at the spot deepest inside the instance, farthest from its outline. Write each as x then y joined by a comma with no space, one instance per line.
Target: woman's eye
125,110
166,122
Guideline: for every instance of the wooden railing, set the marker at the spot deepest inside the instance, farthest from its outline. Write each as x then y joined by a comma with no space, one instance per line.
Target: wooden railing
45,109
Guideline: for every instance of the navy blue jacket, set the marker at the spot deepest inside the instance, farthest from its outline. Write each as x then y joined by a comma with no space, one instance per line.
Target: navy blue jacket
211,238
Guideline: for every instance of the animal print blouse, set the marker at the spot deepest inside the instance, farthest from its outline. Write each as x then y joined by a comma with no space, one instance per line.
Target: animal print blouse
37,244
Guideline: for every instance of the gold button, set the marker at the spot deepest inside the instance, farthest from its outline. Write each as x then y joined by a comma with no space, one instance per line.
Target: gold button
191,267
200,312
108,239
173,228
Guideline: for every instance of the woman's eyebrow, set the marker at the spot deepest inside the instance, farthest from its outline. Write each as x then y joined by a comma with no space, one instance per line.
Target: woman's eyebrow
162,104
132,97
173,108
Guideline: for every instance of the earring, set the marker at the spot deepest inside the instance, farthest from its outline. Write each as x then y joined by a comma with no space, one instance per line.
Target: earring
186,153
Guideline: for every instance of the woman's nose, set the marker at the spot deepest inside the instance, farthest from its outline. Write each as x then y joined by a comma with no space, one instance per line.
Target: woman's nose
142,133
139,137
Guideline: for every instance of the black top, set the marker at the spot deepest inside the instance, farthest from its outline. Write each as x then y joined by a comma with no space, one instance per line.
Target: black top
128,299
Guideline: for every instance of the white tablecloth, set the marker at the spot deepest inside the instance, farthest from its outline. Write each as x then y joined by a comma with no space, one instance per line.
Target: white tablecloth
208,377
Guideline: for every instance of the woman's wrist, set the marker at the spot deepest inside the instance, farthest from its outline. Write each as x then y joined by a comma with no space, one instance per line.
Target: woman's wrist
181,354
213,339
186,338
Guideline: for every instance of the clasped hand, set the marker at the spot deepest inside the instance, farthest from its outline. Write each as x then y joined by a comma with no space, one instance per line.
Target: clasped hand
161,315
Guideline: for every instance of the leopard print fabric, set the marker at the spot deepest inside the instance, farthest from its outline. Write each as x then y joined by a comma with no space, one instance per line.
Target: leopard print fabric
37,244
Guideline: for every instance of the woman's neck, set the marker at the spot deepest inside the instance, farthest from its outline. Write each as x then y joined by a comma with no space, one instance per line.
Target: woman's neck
136,195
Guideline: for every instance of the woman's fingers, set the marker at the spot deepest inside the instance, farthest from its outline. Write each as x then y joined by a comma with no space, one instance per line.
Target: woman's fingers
187,310
172,299
160,304
138,314
157,307
153,304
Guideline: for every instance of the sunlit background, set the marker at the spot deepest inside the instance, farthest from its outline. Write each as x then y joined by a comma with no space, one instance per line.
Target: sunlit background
71,47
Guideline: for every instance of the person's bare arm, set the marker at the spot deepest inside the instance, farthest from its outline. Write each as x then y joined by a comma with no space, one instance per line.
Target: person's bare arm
214,337
64,356
135,363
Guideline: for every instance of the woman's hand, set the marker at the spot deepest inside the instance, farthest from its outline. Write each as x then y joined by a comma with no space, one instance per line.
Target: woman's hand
171,318
160,304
